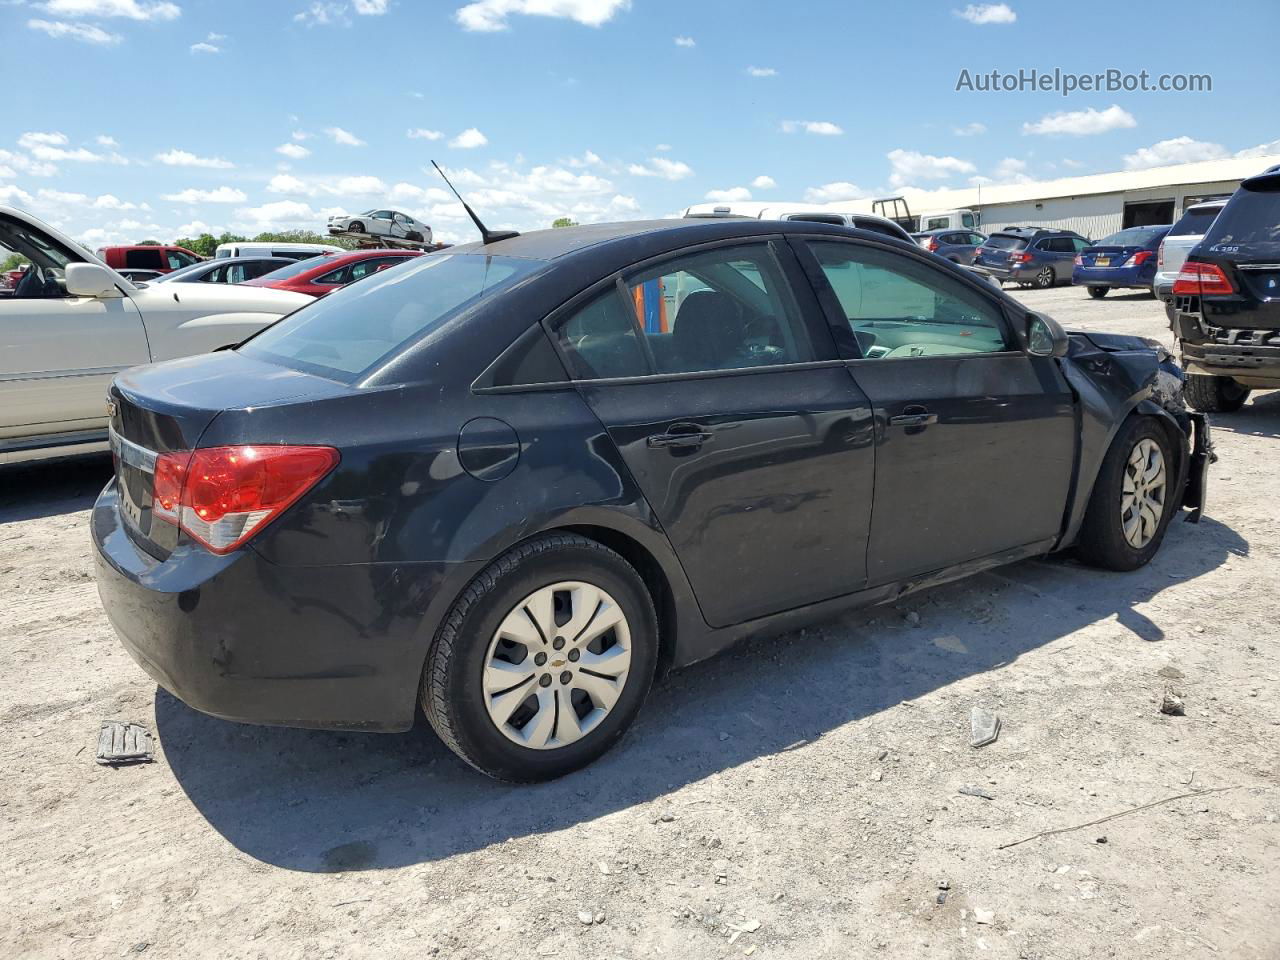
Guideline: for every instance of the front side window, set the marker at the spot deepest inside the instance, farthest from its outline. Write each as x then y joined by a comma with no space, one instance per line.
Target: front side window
899,307
967,220
345,334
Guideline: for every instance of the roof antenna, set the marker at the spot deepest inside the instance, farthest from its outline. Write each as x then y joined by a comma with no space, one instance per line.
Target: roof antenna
486,235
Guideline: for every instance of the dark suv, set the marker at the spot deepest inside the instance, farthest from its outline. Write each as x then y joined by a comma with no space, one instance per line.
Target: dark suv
1227,300
1030,256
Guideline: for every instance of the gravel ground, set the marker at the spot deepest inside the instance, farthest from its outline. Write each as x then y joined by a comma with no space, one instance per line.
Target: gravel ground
797,798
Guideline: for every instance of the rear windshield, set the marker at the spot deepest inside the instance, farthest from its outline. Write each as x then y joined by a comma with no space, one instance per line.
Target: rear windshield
350,330
1005,241
1250,217
1133,237
293,269
1194,222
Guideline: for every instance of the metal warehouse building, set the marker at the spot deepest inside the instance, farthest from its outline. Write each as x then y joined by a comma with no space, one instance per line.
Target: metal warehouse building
1094,205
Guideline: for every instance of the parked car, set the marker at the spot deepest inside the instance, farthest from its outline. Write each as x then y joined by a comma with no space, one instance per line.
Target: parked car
511,483
318,276
157,258
1030,256
958,220
143,276
958,246
382,223
227,270
72,323
1124,260
795,211
1228,300
1184,235
290,251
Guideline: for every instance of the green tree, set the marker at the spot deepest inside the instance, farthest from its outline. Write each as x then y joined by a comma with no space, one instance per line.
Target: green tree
148,243
305,236
13,262
205,245
564,222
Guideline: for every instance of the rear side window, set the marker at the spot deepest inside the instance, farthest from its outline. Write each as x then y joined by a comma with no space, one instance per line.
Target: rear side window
1006,241
177,259
1194,222
146,259
348,332
1251,217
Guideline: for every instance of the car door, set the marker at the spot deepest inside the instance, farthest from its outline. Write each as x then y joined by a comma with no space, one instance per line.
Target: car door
975,438
716,378
382,223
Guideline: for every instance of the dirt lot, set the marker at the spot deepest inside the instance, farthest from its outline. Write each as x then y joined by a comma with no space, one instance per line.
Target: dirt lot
796,798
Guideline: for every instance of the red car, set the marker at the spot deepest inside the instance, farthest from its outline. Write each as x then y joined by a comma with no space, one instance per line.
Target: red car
161,259
320,275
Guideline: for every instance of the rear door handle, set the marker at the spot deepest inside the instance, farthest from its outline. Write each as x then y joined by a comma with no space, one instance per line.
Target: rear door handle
914,416
680,435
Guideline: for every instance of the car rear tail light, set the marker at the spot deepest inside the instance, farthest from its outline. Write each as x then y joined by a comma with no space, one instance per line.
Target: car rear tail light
1020,258
1197,279
222,496
1160,255
1079,260
1138,259
932,245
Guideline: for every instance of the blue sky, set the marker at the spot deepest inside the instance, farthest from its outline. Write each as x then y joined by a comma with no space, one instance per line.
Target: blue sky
133,119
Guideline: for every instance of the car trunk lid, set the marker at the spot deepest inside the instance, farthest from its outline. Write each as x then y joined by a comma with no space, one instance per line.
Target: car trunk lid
1108,256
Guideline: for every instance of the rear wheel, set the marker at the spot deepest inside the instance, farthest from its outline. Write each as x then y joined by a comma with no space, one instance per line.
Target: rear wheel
1132,500
544,661
1210,394
1045,278
1097,292
414,235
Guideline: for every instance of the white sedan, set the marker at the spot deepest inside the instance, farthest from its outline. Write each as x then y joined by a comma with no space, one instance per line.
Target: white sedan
382,223
71,323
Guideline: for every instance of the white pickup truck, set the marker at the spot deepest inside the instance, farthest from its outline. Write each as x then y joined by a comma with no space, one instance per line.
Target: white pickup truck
71,323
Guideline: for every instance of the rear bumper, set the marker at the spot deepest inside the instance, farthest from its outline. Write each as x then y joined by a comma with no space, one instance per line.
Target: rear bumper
1110,277
1008,273
335,647
1259,364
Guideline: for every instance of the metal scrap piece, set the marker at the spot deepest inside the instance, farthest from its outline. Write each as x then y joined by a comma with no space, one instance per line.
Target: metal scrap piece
121,743
984,727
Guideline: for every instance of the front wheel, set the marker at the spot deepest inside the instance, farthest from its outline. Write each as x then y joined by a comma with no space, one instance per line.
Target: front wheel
544,661
1045,278
1133,499
356,227
1210,394
1097,292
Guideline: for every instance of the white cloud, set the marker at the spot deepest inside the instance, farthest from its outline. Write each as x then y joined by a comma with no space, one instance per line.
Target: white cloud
822,128
684,41
109,202
411,193
286,183
908,165
420,133
763,183
217,195
371,8
588,159
365,186
731,195
661,167
52,147
294,151
662,147
195,228
984,13
343,137
469,139
970,129
1081,123
205,48
1261,150
61,196
104,141
1009,170
321,14
181,158
300,135
83,32
490,15
15,194
22,163
32,139
830,192
761,72
128,9
280,213
1174,150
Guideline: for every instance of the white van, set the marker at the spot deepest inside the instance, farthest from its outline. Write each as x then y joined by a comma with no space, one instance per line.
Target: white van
294,251
950,220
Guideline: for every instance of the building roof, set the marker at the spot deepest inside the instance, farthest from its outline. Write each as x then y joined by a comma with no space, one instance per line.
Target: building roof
1203,171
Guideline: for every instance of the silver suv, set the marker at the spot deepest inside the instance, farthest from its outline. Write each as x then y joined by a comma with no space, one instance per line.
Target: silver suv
1186,233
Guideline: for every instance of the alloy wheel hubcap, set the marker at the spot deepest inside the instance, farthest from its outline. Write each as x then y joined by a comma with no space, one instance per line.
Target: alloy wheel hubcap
1045,277
1143,493
556,665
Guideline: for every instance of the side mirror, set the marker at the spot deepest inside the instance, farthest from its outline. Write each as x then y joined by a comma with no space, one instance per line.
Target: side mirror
91,280
1045,338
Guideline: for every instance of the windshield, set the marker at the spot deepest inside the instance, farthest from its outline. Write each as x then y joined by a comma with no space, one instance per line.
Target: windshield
349,331
1005,241
1250,217
1133,237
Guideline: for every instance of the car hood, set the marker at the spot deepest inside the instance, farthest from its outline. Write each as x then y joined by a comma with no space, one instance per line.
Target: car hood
219,298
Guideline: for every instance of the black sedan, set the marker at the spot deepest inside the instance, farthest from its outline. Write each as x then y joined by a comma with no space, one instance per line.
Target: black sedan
226,270
513,482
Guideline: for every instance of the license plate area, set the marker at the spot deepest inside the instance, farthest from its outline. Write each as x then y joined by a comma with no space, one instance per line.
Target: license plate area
1102,262
135,478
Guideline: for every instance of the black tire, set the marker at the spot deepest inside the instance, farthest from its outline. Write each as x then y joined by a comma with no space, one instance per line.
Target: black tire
414,235
356,227
1097,292
1171,312
1214,394
1102,541
452,694
1045,278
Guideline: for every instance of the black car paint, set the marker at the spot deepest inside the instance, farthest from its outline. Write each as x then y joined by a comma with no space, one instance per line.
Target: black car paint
325,618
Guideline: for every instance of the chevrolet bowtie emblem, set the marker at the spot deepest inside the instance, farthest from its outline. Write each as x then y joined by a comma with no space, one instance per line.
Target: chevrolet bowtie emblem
111,408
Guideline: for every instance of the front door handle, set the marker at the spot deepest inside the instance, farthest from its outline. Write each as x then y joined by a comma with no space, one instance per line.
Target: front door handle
680,435
914,416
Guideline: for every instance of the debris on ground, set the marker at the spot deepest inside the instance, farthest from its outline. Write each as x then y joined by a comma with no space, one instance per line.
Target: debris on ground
984,727
586,917
120,744
1172,705
976,792
983,916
